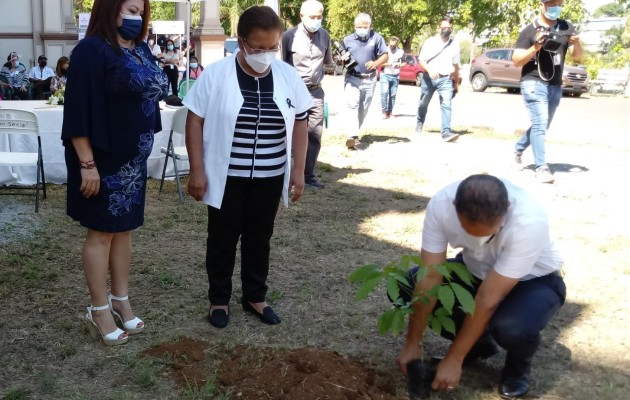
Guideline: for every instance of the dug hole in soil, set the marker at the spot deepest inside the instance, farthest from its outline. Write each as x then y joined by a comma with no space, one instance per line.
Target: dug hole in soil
269,373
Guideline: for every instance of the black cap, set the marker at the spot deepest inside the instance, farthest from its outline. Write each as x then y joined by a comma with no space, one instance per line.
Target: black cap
40,58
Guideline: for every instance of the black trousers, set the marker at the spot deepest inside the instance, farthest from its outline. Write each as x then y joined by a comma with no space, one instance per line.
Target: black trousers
315,128
247,212
517,322
173,77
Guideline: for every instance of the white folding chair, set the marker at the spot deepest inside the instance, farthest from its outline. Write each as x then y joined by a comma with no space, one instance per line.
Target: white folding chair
176,153
19,122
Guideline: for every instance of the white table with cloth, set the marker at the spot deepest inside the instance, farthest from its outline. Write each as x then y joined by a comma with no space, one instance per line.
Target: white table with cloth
50,121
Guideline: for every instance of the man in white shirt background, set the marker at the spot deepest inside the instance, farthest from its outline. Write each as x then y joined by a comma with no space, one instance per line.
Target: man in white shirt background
390,77
440,58
40,77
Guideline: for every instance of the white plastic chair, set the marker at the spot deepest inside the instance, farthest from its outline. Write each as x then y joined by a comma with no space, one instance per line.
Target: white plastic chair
19,122
176,153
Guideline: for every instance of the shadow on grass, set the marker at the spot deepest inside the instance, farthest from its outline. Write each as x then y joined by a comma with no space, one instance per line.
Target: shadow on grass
562,168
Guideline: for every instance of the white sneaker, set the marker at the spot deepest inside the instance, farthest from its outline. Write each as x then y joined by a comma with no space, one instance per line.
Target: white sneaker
544,175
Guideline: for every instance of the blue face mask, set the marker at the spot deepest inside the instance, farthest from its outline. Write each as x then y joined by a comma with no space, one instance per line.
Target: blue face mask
131,27
170,47
362,32
553,12
194,65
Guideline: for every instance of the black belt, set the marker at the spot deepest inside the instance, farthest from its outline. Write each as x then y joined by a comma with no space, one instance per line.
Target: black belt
358,75
313,87
444,76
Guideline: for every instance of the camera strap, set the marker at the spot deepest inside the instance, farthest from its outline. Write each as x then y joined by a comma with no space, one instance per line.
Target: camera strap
440,52
555,28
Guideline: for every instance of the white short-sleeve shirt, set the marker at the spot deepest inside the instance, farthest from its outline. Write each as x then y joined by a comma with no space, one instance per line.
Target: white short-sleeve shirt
522,249
444,62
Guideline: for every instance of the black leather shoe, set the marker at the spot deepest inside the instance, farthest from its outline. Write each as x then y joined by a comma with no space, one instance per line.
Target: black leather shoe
268,316
218,318
514,386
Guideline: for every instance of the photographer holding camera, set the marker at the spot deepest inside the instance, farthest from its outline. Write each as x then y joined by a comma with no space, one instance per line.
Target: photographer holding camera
363,52
541,49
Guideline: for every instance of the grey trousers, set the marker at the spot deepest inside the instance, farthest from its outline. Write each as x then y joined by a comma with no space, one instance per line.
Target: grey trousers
358,92
315,128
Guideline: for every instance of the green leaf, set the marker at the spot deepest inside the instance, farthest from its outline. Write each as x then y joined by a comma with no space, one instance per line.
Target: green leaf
447,323
364,273
421,273
442,270
446,297
398,322
436,325
463,273
385,321
367,286
402,279
433,292
392,287
441,312
416,260
464,297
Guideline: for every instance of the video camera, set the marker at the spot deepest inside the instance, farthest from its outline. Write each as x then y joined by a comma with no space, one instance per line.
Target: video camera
344,56
551,39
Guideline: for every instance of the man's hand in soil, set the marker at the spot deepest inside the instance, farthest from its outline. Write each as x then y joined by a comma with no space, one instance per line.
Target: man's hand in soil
408,353
449,372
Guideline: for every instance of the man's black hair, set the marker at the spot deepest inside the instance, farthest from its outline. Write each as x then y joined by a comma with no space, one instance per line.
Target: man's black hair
481,199
258,17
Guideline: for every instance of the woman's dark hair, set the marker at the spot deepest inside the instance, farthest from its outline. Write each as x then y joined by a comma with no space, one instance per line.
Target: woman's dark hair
60,63
482,199
103,21
194,58
258,17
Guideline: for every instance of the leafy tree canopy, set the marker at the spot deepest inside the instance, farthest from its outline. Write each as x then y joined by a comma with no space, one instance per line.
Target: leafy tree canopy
610,10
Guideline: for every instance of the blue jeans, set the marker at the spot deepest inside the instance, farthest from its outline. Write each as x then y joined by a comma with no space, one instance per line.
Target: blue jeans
358,92
518,320
389,88
541,100
444,87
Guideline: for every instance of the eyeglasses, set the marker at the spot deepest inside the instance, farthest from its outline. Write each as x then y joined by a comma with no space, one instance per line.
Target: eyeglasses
274,49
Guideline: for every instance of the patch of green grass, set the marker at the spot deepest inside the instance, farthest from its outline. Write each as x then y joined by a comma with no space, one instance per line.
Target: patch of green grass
68,351
46,381
209,391
17,394
144,374
165,278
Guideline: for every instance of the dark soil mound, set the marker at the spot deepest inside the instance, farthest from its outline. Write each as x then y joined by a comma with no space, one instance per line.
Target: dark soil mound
268,373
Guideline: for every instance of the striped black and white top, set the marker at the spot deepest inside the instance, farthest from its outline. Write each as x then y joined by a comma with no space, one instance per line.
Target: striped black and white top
259,148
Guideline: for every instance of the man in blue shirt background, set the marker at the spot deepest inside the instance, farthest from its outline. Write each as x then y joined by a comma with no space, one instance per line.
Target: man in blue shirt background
369,50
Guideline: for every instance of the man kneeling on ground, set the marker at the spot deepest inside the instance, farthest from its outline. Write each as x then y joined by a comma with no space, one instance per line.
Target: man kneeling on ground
506,244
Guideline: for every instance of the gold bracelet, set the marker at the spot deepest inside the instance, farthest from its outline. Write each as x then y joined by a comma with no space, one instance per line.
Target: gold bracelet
87,164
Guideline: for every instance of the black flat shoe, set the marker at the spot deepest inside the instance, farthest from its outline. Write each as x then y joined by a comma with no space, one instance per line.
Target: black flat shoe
482,350
513,387
218,318
268,316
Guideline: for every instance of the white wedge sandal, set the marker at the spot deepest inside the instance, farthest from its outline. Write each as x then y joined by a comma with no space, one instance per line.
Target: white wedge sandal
113,338
134,325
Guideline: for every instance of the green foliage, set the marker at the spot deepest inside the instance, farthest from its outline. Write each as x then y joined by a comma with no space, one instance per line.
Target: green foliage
610,10
394,276
18,394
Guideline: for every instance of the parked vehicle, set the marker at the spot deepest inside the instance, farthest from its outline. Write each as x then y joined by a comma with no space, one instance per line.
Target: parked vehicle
494,68
411,72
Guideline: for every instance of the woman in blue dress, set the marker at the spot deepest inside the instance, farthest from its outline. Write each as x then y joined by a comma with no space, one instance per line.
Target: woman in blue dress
111,113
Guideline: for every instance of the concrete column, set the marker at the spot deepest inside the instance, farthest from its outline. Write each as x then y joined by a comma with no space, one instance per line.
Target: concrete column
181,14
209,36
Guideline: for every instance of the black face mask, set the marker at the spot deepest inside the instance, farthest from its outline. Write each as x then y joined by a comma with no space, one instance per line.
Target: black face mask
64,71
43,64
393,48
446,32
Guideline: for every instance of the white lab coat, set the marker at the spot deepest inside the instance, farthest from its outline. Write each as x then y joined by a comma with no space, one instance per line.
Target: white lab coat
216,97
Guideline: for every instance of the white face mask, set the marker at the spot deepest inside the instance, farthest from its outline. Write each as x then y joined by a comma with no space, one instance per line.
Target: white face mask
259,62
312,25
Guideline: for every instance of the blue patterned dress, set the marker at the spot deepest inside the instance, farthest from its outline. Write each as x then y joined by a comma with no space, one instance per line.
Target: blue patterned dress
114,101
